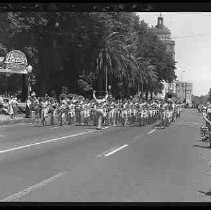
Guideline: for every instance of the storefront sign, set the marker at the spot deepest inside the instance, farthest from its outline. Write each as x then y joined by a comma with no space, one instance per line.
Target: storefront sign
15,62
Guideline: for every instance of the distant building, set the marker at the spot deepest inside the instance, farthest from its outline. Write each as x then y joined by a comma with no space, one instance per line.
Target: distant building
184,91
164,35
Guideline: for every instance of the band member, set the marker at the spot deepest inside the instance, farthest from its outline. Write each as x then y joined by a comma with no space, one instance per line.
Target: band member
207,118
100,103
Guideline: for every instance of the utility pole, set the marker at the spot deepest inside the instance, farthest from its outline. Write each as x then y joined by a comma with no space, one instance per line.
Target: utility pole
106,79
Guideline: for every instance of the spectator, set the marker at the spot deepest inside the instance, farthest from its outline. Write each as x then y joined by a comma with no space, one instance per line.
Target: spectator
28,107
1,103
14,104
10,107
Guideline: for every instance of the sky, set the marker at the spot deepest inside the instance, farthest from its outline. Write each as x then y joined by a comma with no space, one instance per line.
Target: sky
192,34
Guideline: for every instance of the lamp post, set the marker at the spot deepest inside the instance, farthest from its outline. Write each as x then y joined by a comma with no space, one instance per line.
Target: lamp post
106,79
29,70
109,89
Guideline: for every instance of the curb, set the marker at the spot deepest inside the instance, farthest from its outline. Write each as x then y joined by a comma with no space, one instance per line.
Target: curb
11,122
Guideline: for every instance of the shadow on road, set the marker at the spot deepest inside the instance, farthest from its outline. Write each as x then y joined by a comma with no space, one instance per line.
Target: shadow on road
205,193
205,147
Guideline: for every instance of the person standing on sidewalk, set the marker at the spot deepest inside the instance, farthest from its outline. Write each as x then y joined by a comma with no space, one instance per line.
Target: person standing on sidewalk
207,118
14,104
28,106
34,105
10,108
1,103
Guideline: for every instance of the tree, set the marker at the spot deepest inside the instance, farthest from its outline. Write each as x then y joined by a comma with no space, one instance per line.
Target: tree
61,46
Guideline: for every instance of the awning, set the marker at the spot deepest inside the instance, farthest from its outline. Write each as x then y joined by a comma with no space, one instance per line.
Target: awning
6,70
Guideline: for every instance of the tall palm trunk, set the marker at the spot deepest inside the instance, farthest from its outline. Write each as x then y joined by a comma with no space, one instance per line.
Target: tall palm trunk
100,81
142,90
146,92
151,94
24,87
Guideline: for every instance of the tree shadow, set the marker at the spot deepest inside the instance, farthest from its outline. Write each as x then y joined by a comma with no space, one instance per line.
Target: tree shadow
205,193
205,147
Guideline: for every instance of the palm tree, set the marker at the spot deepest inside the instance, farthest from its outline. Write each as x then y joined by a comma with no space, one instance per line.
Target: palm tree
146,76
114,59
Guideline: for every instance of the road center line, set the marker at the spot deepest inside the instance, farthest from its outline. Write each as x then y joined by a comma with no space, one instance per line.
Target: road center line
48,141
44,142
152,131
107,151
32,188
116,150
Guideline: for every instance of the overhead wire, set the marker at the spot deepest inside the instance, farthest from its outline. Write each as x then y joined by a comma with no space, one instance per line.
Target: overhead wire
190,36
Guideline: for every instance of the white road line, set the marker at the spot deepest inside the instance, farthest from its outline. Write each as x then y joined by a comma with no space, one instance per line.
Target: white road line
63,127
107,151
152,131
116,150
137,137
47,141
32,188
133,139
43,142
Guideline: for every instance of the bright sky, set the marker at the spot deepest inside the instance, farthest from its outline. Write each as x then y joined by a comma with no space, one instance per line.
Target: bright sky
192,54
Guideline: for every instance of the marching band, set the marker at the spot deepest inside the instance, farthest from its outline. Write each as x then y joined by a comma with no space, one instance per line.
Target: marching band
103,111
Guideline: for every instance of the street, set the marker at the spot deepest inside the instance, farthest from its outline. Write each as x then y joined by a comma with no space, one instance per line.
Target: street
117,164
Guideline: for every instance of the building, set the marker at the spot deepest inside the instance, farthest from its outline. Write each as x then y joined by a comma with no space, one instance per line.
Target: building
184,91
164,35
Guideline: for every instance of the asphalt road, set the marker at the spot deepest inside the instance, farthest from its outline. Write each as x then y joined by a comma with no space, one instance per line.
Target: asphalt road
117,164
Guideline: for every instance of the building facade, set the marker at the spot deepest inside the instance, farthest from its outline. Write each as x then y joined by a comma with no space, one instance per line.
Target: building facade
164,35
184,91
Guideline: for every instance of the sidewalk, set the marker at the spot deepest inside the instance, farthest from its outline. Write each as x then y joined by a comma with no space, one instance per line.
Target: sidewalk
6,120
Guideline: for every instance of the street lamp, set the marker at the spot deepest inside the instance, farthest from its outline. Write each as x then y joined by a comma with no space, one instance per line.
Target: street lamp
106,79
29,70
109,89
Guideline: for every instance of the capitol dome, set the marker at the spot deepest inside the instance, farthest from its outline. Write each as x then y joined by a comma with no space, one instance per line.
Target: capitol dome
161,29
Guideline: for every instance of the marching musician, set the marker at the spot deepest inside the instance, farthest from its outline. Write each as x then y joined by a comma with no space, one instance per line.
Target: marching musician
100,103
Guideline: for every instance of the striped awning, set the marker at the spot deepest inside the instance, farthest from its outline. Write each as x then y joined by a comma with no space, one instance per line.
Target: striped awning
6,70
